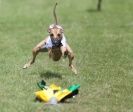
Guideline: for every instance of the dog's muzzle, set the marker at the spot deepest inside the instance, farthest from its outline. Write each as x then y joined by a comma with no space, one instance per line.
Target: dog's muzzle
56,42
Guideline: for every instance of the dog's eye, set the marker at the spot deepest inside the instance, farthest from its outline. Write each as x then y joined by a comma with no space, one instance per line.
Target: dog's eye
59,35
51,35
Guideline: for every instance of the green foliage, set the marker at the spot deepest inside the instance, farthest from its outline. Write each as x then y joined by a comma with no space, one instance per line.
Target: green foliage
102,42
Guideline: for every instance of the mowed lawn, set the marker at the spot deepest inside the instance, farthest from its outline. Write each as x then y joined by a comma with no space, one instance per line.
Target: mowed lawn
103,47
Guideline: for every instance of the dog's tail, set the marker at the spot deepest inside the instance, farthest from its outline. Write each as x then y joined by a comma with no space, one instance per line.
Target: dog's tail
54,13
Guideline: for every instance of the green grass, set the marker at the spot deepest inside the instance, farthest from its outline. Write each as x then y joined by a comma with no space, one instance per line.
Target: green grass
102,42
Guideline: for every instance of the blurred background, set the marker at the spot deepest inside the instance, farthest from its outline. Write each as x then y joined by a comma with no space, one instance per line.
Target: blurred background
100,33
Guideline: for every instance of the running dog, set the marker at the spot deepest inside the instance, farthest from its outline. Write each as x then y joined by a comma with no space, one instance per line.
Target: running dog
55,44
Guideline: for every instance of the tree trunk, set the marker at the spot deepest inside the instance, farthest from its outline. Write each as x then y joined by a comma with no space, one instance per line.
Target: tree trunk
99,5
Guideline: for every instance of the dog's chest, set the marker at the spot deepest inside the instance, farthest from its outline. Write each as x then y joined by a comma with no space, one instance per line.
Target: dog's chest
56,53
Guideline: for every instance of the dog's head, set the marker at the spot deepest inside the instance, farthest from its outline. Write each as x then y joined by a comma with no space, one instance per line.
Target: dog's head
55,32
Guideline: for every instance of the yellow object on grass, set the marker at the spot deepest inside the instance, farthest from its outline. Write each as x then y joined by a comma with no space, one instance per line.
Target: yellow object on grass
61,94
54,91
44,95
51,91
55,87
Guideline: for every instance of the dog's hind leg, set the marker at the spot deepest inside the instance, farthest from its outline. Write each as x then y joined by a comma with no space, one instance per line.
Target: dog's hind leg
71,57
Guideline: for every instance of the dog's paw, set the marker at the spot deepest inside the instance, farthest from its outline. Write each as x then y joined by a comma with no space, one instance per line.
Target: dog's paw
74,69
26,66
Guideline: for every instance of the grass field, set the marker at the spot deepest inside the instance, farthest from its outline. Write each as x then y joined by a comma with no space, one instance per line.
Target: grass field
102,42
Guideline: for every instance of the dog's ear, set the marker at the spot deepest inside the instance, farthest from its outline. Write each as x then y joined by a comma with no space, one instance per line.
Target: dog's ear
62,31
50,27
49,30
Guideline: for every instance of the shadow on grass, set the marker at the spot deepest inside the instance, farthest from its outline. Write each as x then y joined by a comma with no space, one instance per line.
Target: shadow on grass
49,74
92,11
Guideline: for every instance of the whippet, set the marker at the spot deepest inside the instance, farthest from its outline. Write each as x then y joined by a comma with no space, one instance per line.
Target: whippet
55,44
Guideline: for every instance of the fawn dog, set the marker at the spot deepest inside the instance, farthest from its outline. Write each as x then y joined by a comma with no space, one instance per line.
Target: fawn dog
55,44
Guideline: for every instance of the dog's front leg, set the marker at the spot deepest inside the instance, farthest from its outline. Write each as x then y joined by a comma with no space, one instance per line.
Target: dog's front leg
35,51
